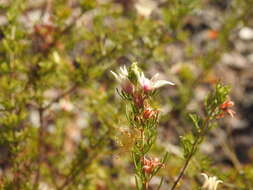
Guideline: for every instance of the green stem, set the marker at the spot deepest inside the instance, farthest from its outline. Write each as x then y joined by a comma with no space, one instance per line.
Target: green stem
193,150
39,149
186,164
144,183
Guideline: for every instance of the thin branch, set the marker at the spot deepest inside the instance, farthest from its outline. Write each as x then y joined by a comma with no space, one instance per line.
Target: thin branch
185,164
39,148
193,150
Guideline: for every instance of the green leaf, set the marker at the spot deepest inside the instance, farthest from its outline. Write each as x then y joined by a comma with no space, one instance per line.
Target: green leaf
196,120
187,143
215,99
136,183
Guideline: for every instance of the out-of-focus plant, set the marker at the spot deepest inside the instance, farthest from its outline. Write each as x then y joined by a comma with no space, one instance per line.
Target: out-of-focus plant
216,106
58,113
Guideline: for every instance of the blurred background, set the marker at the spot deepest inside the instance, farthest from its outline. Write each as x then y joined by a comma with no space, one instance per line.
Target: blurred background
62,124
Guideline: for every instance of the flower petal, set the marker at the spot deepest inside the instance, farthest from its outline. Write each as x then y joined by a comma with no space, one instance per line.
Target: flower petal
142,78
161,83
115,75
206,182
124,71
205,176
216,184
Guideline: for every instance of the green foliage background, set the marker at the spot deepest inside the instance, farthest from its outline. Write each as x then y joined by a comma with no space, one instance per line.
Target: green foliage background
60,118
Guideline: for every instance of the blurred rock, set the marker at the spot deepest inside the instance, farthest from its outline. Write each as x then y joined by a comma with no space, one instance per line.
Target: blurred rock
44,186
3,20
250,58
145,7
246,33
235,60
237,123
34,118
207,147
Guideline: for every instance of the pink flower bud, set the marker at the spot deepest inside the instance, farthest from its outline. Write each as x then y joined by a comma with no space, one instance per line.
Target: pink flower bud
225,108
227,104
127,87
149,113
150,164
146,85
147,169
138,100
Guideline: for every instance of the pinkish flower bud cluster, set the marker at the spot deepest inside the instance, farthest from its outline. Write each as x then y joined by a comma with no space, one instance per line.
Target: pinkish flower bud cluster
149,113
150,164
135,85
138,90
225,108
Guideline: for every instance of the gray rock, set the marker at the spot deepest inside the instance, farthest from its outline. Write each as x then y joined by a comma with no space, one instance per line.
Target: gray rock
235,60
246,33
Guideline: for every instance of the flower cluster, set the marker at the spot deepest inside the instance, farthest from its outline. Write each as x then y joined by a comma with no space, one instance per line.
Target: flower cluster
153,83
136,86
138,91
225,108
122,78
149,113
150,164
211,183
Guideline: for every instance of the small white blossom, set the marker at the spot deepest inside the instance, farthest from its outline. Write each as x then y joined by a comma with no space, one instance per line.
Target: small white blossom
66,105
145,7
153,83
122,78
123,74
210,183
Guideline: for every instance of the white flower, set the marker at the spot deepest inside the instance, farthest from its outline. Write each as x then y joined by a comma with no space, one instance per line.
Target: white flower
123,74
145,7
122,78
153,83
210,183
66,105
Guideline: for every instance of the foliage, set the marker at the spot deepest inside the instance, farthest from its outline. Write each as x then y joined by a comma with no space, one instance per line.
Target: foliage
62,126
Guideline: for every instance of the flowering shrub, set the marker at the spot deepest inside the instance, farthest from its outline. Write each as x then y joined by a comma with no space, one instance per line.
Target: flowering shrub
63,127
138,91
